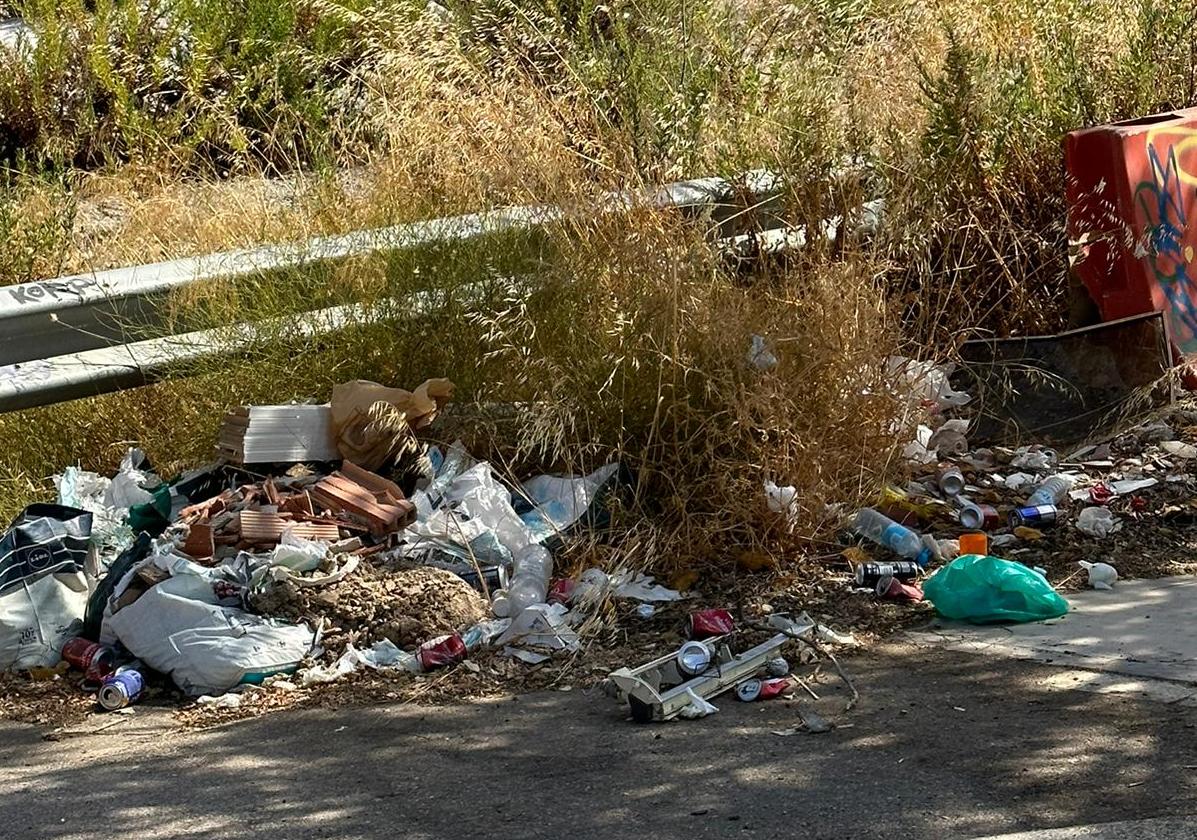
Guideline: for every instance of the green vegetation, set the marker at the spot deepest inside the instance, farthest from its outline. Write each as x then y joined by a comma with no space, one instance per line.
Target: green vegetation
137,130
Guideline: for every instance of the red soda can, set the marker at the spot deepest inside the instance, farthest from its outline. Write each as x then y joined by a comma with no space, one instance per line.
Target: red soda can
562,591
979,517
441,652
774,687
752,690
892,589
95,660
707,623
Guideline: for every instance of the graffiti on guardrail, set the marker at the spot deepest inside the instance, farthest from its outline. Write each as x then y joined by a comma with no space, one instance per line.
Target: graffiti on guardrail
55,290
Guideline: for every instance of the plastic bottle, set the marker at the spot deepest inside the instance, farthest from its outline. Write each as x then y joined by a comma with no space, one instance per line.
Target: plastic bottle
533,567
884,531
1052,491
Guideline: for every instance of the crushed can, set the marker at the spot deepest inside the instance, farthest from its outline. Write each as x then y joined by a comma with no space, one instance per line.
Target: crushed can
892,589
1034,515
441,652
748,691
950,480
121,689
562,591
977,517
707,623
868,574
95,660
752,690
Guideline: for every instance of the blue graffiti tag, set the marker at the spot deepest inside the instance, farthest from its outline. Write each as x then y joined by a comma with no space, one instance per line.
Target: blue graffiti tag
1162,199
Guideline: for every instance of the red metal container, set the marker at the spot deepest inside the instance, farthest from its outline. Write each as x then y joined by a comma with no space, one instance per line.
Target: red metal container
707,623
441,651
562,591
92,658
1132,219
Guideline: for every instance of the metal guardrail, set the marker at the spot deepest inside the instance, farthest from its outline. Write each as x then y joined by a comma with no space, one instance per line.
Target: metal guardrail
65,338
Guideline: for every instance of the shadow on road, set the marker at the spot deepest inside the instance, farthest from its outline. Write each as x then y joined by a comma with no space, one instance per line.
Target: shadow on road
943,744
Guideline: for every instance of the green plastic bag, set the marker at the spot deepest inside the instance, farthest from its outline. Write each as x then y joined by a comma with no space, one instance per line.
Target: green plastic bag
987,590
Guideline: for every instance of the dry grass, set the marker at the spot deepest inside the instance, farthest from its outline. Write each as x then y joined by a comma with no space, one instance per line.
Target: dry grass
626,337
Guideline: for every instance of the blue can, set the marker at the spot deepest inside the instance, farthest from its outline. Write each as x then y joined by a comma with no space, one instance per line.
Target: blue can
121,689
1034,515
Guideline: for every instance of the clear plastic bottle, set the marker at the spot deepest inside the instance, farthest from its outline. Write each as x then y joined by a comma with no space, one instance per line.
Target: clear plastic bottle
1052,491
533,568
884,531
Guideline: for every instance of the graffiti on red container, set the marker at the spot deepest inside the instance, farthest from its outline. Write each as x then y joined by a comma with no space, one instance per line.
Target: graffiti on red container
1170,241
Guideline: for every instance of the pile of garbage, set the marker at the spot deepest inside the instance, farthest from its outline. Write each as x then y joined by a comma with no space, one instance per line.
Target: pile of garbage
355,546
981,532
333,539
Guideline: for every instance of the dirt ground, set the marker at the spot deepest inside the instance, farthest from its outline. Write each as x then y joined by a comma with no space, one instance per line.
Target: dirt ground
942,745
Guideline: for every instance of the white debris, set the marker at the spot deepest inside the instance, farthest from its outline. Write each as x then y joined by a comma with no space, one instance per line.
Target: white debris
950,440
641,587
698,707
1097,522
222,701
782,500
1018,480
1101,575
926,381
543,626
384,655
759,355
918,451
529,657
1179,449
1038,460
1002,540
1132,485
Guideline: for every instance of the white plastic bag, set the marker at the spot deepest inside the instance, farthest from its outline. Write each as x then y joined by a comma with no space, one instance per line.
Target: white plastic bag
1098,522
926,381
110,532
918,451
298,554
561,500
383,655
177,627
127,487
759,354
641,587
698,707
474,504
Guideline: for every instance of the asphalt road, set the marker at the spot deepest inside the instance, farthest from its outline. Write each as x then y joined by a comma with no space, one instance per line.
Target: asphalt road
944,744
